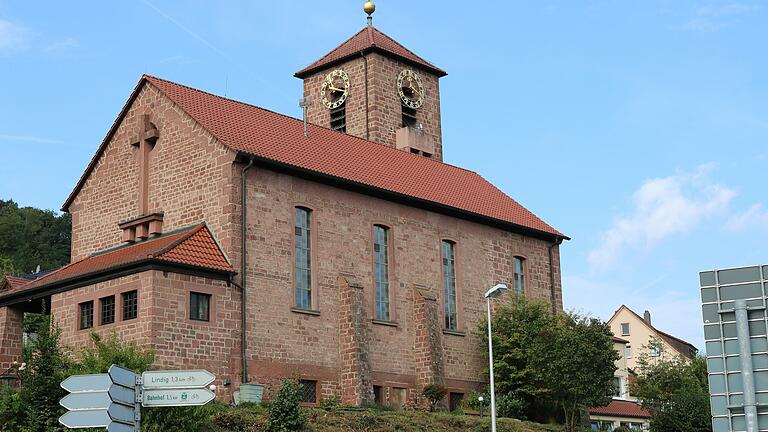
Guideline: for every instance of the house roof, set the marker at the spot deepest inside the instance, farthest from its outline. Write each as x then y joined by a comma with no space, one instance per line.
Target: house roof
279,140
619,340
672,340
369,39
10,284
619,408
192,246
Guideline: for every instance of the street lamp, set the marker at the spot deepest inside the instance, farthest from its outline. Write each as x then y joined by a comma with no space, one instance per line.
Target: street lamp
494,292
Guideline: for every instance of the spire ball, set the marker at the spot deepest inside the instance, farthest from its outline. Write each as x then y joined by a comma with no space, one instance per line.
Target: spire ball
369,8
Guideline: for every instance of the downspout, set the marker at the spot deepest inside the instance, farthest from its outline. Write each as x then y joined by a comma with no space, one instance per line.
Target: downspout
243,271
365,61
557,242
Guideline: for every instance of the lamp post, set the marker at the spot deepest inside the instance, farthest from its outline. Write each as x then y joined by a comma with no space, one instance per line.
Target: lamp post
494,292
480,399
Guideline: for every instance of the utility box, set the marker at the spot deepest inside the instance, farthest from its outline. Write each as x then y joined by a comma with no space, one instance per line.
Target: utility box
734,314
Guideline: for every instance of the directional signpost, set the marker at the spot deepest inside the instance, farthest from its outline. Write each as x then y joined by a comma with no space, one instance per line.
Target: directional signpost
113,400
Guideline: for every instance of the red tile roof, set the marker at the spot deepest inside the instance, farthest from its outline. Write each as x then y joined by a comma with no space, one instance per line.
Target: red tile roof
276,137
193,246
12,284
369,39
620,408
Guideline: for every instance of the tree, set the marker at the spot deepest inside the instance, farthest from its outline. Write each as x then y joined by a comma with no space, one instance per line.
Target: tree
516,328
675,392
46,367
285,411
106,352
576,359
31,237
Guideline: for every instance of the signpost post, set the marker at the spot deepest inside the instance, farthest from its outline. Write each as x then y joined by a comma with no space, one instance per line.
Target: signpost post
113,400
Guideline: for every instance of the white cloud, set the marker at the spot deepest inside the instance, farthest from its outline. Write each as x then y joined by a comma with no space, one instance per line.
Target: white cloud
662,208
754,218
601,299
12,36
715,17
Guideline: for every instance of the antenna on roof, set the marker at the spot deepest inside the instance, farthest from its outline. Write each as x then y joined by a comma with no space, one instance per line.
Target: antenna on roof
304,104
369,7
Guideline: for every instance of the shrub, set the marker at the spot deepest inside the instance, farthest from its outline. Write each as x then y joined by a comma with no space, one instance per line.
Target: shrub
247,417
186,419
434,394
285,413
11,410
106,352
511,407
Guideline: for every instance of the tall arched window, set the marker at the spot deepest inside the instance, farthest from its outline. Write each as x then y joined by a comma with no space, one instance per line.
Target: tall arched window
381,271
519,276
449,284
303,257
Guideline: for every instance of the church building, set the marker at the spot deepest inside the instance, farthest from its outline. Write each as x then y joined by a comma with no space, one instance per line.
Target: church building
343,251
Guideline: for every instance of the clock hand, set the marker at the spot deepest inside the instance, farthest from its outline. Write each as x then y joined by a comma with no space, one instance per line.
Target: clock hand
336,89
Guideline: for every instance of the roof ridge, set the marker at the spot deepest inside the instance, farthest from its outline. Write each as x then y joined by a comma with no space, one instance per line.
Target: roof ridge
333,50
294,119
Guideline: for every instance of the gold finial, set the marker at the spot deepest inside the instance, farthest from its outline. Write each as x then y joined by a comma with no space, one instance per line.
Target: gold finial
369,7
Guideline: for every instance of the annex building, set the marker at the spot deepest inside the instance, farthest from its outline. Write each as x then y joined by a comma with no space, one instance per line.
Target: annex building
226,237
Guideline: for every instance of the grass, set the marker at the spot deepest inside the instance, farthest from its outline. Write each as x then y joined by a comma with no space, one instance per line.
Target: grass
253,419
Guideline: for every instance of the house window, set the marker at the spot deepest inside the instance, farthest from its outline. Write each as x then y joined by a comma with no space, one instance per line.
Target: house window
199,306
303,257
618,387
628,351
625,329
107,310
381,271
130,305
655,350
308,391
449,284
86,315
519,269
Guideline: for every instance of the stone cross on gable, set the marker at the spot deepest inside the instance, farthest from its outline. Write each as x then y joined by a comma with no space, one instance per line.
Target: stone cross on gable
145,141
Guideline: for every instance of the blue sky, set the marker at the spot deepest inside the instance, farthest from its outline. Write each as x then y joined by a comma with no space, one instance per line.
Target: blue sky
637,128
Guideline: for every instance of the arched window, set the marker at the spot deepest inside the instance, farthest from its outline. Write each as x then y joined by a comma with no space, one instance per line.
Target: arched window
519,276
381,271
449,284
303,257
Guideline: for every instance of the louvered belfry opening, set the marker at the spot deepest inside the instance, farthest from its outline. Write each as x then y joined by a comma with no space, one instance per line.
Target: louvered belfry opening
339,118
409,116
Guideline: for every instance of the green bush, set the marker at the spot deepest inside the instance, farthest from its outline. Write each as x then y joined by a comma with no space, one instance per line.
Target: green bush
181,419
285,413
434,394
11,410
511,407
106,352
240,420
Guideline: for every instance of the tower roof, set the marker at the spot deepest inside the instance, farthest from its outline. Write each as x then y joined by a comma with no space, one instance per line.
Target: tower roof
369,39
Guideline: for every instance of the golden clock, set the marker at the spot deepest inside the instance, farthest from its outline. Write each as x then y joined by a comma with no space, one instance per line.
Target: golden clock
335,89
410,89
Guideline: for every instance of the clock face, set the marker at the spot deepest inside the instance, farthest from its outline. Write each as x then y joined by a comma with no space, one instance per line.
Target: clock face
335,89
410,89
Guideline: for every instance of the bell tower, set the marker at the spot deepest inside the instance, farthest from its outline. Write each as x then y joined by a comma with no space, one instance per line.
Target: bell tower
373,87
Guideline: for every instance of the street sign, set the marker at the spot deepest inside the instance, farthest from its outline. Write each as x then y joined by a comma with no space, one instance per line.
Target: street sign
177,397
86,419
87,383
122,376
86,401
119,427
102,400
176,379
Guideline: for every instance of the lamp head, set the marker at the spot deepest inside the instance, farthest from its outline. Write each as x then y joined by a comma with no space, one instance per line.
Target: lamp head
496,291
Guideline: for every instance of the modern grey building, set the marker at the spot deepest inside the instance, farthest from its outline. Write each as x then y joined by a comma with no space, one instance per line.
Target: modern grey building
734,315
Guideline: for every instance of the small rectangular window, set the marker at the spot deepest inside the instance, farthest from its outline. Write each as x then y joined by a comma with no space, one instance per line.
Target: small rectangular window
308,391
377,395
339,118
519,275
199,306
303,257
130,305
449,284
381,271
408,116
107,310
618,390
625,329
628,351
86,315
